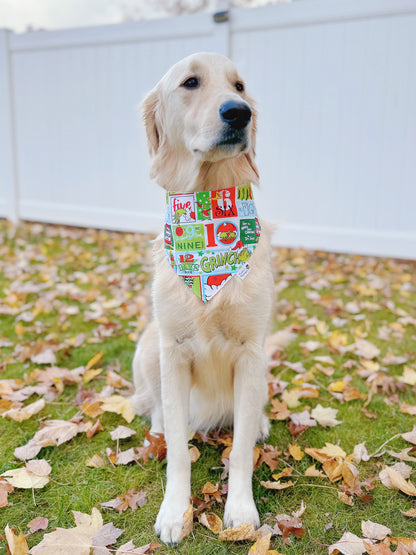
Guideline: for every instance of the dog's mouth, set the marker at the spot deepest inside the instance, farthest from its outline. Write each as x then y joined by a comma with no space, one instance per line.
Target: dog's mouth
232,137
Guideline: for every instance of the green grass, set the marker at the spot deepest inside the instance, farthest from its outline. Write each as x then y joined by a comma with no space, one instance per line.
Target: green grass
46,269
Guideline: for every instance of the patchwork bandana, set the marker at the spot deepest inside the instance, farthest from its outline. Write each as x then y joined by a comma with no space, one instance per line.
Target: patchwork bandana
210,235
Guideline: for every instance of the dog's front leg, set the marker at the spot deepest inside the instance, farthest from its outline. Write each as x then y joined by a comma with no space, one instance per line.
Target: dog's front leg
175,387
250,395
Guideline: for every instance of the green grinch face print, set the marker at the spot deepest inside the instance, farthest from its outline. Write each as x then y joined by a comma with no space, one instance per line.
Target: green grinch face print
203,205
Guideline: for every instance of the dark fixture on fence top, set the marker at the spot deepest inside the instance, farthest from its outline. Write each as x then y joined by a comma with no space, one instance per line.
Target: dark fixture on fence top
221,17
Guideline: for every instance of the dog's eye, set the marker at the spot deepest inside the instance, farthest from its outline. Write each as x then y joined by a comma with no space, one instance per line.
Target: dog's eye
191,83
239,86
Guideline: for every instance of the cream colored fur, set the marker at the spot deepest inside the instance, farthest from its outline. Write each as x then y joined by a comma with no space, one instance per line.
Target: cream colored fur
202,365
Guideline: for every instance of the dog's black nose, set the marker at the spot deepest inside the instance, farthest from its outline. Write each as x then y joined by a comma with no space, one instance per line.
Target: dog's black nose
236,114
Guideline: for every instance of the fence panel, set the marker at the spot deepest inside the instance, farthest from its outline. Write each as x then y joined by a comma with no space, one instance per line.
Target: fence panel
8,177
82,152
337,130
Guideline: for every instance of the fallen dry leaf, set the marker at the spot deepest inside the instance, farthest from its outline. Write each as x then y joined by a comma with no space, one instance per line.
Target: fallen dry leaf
211,521
33,475
349,544
277,485
296,452
156,447
89,531
122,432
132,499
194,454
5,489
374,531
325,416
120,405
398,482
38,523
16,543
21,414
261,547
240,533
129,548
188,522
286,525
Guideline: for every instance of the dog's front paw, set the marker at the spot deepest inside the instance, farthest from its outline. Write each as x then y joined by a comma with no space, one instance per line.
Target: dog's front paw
264,428
238,512
170,520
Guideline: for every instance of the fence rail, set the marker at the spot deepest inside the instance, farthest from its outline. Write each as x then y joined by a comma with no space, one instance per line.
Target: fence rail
335,82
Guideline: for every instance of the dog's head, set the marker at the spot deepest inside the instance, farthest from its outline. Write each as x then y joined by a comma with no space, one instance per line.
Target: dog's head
200,114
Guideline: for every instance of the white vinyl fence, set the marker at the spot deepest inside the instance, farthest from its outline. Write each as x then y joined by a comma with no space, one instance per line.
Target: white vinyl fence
335,82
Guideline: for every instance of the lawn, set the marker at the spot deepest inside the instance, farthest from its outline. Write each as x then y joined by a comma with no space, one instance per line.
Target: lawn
342,356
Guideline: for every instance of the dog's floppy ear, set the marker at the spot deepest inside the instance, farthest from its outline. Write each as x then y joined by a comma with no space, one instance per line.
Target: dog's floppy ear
149,108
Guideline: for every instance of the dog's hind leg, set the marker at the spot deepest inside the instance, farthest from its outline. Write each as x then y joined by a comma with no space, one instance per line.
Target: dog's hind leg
146,399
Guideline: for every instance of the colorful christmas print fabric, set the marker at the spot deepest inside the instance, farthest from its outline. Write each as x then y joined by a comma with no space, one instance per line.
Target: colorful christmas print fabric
210,235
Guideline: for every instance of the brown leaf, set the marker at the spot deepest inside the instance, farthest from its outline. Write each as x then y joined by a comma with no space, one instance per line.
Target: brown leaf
156,447
269,455
26,412
5,489
132,499
38,523
411,513
188,522
211,521
95,428
261,547
290,525
209,490
240,533
277,485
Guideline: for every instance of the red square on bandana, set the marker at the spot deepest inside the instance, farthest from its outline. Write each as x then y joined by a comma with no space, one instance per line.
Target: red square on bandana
223,203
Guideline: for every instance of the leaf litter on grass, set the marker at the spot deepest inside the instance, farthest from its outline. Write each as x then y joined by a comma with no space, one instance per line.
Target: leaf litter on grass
342,369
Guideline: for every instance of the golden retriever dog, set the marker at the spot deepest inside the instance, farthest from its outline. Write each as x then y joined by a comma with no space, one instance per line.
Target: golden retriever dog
200,365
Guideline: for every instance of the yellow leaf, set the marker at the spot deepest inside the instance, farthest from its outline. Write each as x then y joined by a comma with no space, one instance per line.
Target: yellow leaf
333,469
337,387
261,547
398,482
284,474
277,485
188,522
345,498
211,521
371,365
239,533
96,461
313,472
408,409
411,513
16,544
194,454
120,405
93,361
91,373
25,412
19,329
